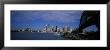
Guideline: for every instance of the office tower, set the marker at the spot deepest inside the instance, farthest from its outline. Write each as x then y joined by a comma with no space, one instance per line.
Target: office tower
49,28
61,30
56,29
65,29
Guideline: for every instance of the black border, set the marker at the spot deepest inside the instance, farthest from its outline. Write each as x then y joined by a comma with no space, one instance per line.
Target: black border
2,2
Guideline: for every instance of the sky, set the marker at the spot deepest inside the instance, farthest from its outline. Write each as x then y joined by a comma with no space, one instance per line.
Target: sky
37,19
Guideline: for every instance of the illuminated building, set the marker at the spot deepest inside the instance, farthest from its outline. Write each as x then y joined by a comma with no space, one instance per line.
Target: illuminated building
65,29
49,28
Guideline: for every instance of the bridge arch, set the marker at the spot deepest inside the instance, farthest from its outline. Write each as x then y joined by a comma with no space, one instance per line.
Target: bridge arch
89,18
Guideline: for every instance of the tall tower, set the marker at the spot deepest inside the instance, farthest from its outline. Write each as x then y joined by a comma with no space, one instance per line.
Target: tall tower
56,29
65,29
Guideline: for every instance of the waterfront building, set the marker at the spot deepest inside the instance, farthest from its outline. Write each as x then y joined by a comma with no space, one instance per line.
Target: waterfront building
65,29
56,29
49,28
23,30
27,29
61,30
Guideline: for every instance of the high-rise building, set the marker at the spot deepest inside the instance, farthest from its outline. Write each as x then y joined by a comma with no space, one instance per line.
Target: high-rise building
56,29
49,28
61,30
65,29
71,29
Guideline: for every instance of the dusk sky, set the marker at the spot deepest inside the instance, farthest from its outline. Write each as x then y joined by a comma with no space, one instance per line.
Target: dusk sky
37,19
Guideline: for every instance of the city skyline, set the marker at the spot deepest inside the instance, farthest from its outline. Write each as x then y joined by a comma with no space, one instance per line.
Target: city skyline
37,19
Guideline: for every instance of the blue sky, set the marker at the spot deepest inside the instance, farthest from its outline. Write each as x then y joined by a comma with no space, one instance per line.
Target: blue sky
37,19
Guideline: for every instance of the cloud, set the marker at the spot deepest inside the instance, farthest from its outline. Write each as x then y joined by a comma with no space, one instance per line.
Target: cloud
64,16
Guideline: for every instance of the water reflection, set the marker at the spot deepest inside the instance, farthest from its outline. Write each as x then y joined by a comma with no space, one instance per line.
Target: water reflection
35,36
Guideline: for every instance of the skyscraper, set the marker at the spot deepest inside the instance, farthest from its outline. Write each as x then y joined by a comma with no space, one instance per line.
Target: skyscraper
65,29
56,29
49,28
